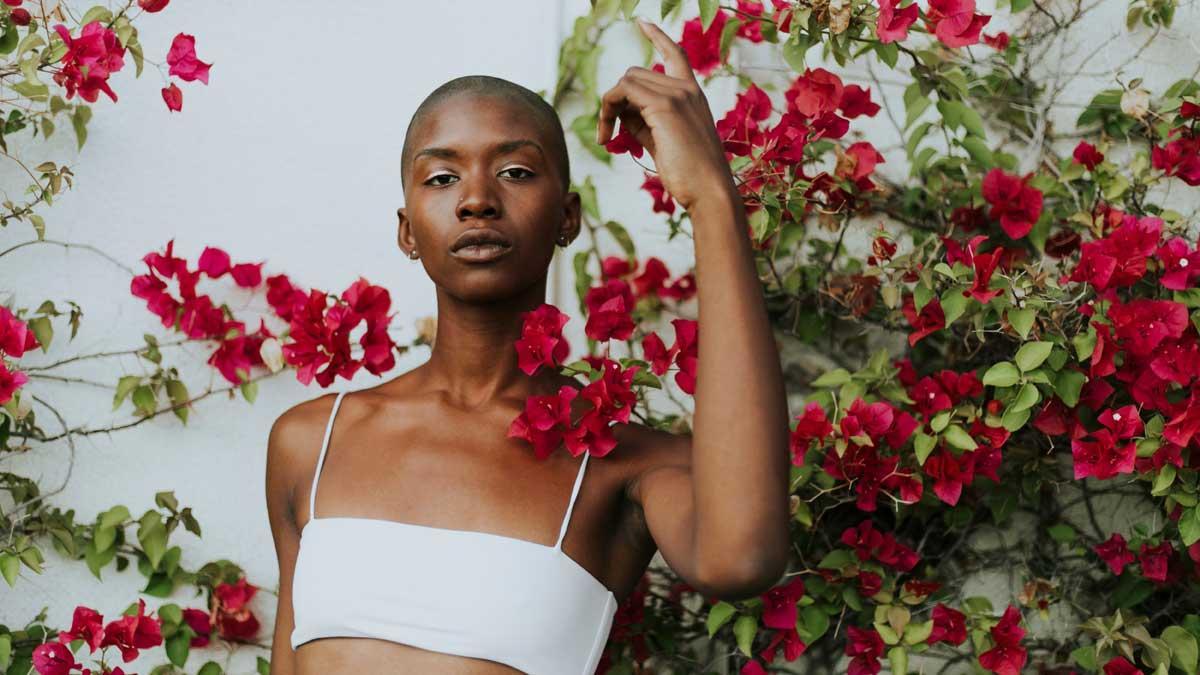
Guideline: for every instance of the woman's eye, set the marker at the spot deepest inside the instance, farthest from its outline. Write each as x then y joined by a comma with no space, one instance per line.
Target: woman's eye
440,175
518,168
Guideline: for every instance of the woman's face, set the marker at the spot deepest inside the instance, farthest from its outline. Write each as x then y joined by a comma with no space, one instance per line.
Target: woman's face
481,162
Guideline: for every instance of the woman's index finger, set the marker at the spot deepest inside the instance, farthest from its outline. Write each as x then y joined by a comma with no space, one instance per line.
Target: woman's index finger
674,58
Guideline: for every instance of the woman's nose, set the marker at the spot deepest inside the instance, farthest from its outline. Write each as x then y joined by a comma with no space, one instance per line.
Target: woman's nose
478,199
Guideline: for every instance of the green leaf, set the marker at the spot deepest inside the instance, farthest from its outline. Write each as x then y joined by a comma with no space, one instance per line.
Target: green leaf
1003,374
1189,524
718,616
923,444
959,438
979,151
816,623
834,378
1067,385
1026,398
667,7
210,668
1032,354
898,658
9,566
1184,650
619,233
744,629
1021,320
708,11
1062,533
263,666
177,647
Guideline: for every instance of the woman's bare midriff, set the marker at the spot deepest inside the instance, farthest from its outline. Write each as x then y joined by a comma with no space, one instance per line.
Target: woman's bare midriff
355,656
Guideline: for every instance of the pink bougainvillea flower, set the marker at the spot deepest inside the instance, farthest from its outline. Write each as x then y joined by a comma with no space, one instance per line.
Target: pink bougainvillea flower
1014,202
955,22
864,646
96,50
183,62
609,308
133,632
1007,657
1115,553
703,47
949,626
1087,155
814,93
929,320
892,24
152,6
663,203
542,341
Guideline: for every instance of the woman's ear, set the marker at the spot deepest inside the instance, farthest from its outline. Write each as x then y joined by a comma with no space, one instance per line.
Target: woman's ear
404,234
571,218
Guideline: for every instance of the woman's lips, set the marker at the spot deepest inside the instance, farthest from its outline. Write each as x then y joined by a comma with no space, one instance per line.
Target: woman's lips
480,253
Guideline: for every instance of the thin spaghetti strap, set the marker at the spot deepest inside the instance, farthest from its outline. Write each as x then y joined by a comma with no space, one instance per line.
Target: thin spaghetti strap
562,531
312,493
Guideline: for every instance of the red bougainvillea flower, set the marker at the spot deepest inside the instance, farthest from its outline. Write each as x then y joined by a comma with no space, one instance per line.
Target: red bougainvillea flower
1008,656
703,47
857,164
15,336
816,92
152,6
1180,267
1119,259
949,626
1087,155
739,128
283,297
985,265
655,351
864,646
687,353
751,25
1115,553
1102,457
857,101
231,612
1179,158
779,604
96,50
999,41
1141,325
813,425
1015,204
20,16
542,341
623,141
663,203
1119,665
1155,560
869,543
54,658
173,97
609,308
200,622
955,22
892,24
929,320
793,646
86,624
183,62
544,421
616,266
132,633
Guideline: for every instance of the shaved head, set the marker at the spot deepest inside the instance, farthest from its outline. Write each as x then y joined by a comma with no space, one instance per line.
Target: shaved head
544,116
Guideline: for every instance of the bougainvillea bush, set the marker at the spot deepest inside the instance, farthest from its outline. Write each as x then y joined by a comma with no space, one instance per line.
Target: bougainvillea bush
992,350
996,468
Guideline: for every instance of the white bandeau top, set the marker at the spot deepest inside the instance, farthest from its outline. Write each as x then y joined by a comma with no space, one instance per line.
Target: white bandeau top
475,594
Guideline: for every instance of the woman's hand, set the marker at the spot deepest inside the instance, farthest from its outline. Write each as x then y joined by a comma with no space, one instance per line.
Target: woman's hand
668,114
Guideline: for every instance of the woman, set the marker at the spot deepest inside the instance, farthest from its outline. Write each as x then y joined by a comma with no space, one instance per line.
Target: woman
430,547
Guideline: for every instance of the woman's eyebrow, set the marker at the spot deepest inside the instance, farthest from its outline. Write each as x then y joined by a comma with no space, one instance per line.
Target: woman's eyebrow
500,148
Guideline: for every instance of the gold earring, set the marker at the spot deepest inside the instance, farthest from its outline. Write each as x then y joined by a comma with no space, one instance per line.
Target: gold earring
413,254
